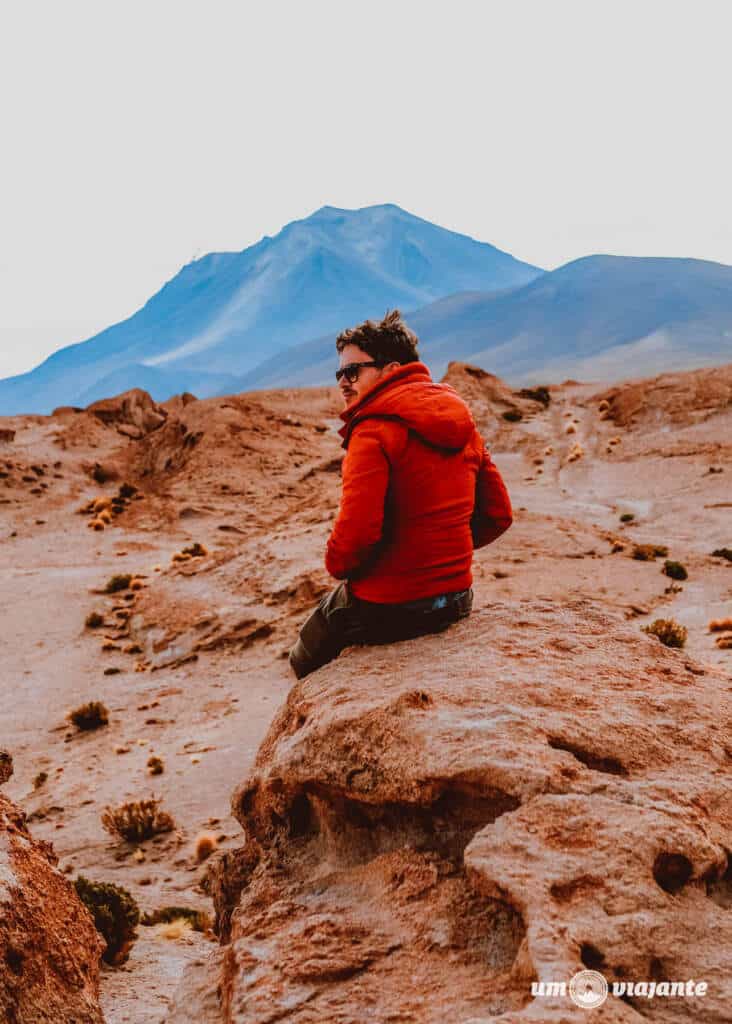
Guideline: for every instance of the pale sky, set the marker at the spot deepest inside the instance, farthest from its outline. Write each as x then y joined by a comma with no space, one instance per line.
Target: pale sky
136,136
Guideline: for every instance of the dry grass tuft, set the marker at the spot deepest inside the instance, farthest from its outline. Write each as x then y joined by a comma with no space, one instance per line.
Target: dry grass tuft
137,820
724,642
206,844
649,552
718,625
195,550
155,765
668,631
198,920
94,620
121,581
89,716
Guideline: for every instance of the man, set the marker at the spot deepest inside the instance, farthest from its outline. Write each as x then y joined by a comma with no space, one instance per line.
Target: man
420,492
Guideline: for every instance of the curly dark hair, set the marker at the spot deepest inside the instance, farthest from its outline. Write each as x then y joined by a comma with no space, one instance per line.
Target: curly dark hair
389,341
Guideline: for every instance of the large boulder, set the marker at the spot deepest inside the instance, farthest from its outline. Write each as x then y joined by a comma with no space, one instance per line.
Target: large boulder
434,825
49,947
133,413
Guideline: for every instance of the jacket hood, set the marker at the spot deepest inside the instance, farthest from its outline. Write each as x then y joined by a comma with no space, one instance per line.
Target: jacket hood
435,412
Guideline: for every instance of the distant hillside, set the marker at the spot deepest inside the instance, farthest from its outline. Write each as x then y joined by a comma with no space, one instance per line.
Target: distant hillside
598,318
224,314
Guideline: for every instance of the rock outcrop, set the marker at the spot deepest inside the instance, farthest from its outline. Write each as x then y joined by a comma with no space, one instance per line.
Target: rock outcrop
133,413
433,825
49,947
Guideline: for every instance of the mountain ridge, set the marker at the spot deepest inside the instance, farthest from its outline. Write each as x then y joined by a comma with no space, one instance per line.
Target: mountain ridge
226,312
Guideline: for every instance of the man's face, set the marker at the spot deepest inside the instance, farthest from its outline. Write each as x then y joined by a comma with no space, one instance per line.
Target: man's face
367,375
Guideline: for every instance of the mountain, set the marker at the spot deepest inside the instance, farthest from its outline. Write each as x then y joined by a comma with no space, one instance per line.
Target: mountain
597,318
226,313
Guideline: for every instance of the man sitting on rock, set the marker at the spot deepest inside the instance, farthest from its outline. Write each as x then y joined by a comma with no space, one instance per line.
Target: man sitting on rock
420,492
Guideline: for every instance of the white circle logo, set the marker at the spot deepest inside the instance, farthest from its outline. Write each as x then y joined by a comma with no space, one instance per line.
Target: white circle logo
588,989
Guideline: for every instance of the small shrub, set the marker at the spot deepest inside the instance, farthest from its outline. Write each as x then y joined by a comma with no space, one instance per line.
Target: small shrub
199,920
119,582
136,585
179,556
724,642
627,517
100,504
105,516
110,645
89,716
649,552
103,474
94,620
570,429
675,570
40,779
126,491
668,631
206,844
95,524
195,550
719,625
137,820
513,415
540,394
155,765
115,913
603,406
723,553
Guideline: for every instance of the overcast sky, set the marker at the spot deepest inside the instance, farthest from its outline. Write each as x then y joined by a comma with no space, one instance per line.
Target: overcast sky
136,136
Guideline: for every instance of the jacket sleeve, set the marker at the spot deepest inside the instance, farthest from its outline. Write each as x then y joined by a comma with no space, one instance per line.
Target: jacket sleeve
492,514
358,527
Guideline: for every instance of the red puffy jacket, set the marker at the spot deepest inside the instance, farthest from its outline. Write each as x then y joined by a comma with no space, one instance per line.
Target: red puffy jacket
419,491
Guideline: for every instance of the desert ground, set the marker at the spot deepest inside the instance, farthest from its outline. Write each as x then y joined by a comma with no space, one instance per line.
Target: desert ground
190,658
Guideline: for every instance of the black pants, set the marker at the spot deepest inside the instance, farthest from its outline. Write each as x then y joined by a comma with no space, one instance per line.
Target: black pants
342,619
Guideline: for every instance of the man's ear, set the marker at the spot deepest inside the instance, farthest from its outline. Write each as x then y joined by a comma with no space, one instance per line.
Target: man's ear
390,367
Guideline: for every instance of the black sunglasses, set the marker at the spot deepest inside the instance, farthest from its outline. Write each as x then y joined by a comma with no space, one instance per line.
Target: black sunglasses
351,370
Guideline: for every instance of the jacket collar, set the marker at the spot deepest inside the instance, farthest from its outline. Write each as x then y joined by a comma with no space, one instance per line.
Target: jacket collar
364,406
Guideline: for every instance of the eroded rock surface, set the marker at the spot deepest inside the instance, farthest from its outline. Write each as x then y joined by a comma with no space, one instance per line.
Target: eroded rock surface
49,948
433,825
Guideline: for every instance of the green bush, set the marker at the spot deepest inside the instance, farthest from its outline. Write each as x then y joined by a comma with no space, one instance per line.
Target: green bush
675,570
115,914
668,631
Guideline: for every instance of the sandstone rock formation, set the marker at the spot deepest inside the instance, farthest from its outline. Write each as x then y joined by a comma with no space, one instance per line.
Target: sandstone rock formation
683,398
432,825
49,948
133,413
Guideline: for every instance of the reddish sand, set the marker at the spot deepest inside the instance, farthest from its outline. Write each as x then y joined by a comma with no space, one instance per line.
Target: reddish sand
254,479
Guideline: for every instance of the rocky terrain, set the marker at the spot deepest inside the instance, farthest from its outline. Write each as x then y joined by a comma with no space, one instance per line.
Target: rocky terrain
428,826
